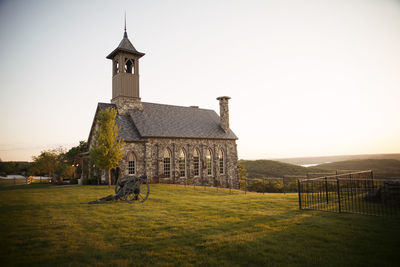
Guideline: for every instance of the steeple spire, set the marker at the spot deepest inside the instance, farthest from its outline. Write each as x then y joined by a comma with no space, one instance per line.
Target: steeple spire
125,45
125,33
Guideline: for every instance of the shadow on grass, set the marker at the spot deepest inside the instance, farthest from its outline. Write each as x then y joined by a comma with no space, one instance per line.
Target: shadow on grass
25,187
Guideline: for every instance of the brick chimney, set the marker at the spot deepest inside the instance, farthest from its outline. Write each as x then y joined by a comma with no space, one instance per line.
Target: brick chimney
224,112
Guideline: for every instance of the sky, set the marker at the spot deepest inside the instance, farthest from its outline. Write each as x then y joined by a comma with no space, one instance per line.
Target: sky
306,78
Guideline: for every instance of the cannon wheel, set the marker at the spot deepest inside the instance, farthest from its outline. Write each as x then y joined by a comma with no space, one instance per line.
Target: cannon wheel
136,191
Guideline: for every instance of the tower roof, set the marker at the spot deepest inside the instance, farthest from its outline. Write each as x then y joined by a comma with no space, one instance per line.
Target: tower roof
125,46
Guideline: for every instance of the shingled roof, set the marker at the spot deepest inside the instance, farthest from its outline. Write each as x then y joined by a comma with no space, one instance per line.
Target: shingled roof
126,46
167,121
159,120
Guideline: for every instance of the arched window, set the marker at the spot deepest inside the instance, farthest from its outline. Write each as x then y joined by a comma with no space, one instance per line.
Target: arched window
131,164
167,163
182,163
209,162
115,67
221,161
129,67
196,162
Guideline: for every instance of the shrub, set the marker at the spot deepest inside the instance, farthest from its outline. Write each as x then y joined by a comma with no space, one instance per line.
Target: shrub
267,186
291,187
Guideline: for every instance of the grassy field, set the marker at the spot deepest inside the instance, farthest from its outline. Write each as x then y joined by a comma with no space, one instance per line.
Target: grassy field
50,225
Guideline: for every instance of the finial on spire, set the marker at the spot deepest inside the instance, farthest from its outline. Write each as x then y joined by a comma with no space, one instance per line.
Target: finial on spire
125,34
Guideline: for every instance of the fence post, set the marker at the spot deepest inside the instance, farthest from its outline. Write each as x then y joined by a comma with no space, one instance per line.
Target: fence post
338,192
299,189
372,180
326,190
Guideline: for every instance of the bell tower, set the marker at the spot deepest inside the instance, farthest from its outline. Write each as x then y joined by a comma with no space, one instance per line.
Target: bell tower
125,76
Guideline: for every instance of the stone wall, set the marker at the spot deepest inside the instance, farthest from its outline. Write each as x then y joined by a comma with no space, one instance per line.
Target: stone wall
124,104
149,160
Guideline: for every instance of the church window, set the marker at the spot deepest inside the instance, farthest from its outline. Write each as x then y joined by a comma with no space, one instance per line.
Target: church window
167,163
221,161
209,162
182,163
196,162
131,164
129,67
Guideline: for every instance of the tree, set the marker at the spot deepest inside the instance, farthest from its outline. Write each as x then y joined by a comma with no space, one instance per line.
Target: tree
54,163
107,149
73,153
72,156
48,162
69,171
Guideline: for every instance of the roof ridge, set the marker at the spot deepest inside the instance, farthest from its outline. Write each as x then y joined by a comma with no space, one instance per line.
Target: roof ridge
198,108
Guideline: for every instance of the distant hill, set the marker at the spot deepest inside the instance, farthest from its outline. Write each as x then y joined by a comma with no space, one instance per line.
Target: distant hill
271,168
328,159
383,168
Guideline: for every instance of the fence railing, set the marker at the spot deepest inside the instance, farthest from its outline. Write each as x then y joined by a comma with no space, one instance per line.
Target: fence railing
13,181
269,185
355,192
38,179
258,185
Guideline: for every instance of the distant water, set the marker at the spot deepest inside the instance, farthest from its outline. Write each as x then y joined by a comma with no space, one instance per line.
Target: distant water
309,165
313,164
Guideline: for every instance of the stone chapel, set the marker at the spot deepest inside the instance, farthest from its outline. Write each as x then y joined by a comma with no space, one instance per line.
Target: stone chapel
169,144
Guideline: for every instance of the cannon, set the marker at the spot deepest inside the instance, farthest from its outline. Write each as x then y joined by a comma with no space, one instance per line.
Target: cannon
129,189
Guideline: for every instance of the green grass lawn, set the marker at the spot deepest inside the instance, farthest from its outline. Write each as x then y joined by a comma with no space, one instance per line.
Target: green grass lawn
50,225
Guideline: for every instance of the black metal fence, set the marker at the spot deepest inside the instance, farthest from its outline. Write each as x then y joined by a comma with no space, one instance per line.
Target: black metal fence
258,185
355,192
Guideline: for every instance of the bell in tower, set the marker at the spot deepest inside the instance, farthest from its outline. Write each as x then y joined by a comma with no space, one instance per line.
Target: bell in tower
125,76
